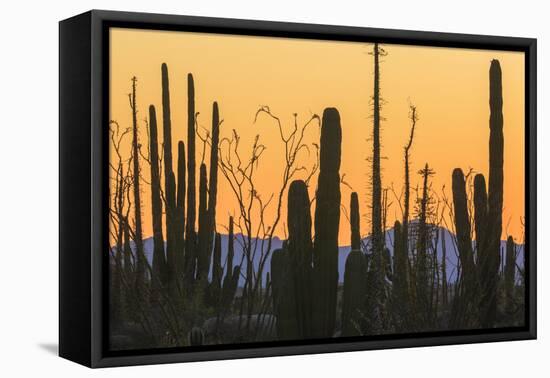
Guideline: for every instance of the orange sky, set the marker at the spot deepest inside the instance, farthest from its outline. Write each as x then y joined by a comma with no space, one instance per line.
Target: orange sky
450,88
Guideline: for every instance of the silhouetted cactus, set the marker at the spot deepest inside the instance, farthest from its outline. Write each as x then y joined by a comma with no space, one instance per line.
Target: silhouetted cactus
284,299
231,278
355,284
462,225
488,214
213,180
207,201
353,300
464,305
190,234
196,336
169,179
509,276
203,255
327,220
230,252
480,217
179,216
300,251
354,219
495,198
159,260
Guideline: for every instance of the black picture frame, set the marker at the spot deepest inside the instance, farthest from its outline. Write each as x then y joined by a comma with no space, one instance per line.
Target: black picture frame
83,196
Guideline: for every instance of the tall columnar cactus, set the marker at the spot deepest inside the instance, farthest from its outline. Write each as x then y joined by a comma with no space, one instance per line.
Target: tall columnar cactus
190,234
355,291
284,299
509,276
465,303
179,217
355,224
480,221
232,274
138,238
213,180
327,220
462,224
495,198
203,255
230,253
169,179
207,201
300,254
488,212
355,274
159,261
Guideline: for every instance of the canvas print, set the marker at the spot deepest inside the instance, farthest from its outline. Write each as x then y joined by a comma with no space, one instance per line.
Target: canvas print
274,190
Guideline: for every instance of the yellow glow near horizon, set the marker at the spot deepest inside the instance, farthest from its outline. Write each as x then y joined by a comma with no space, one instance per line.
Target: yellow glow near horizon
449,86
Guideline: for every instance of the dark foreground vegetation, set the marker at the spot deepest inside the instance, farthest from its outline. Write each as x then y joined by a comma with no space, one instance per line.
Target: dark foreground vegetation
198,290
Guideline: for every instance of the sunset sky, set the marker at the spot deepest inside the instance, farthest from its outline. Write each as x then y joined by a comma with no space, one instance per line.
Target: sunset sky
449,86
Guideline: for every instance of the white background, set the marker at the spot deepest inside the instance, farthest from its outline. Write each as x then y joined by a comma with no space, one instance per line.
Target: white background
29,187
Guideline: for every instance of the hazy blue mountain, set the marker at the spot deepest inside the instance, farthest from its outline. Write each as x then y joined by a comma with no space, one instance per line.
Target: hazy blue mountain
343,251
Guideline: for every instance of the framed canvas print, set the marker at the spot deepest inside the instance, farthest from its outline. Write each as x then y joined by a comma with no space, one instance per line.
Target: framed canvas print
234,188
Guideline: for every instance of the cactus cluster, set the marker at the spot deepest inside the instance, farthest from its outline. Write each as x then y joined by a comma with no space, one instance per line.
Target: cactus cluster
194,289
355,284
480,275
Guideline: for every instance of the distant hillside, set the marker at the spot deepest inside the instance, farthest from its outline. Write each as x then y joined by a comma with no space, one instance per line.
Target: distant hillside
452,253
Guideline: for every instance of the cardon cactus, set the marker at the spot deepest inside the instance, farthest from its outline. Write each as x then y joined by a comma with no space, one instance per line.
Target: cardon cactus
213,179
179,216
327,221
203,255
509,276
495,198
464,304
353,300
355,224
190,234
159,262
463,226
169,179
284,298
231,278
300,254
355,275
488,214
